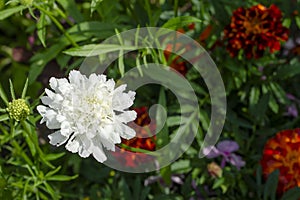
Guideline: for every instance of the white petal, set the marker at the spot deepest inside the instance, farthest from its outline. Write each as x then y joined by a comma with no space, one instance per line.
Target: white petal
109,145
98,153
84,148
66,129
122,101
49,116
76,78
126,132
126,116
73,144
57,138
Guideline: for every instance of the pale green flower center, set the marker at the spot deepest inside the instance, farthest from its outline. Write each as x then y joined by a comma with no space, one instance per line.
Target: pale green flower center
18,109
93,100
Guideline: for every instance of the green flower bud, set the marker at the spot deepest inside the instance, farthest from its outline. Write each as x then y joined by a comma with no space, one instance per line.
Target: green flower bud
18,109
26,2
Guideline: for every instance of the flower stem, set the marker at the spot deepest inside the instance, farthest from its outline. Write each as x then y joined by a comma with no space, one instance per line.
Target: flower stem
137,150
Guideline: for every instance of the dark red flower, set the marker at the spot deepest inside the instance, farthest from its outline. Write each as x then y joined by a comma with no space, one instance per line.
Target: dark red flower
282,152
143,140
255,29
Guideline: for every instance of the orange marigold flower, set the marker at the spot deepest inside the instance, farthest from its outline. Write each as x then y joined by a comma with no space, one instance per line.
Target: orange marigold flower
282,152
255,29
143,140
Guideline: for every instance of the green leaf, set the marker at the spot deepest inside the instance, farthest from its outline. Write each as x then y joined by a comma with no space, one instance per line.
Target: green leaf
3,95
10,11
179,22
51,173
96,49
54,156
12,91
291,194
254,95
271,186
279,92
162,136
72,9
173,120
124,191
273,104
4,117
258,180
166,174
218,182
288,71
61,178
40,59
101,30
180,165
260,108
30,144
50,191
25,89
41,28
297,19
94,5
287,22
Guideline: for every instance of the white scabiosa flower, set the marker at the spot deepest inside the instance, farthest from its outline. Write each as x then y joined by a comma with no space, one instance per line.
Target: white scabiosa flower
89,113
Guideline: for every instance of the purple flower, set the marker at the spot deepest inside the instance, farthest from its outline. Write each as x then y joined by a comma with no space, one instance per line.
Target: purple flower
292,111
225,149
290,97
178,179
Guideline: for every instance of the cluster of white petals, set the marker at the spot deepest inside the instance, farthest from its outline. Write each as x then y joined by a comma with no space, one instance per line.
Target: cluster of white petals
89,113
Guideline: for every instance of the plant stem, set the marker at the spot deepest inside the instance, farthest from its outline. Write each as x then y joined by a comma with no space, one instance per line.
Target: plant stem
59,26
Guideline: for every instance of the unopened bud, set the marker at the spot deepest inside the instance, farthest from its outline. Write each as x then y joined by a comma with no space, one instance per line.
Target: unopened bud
18,109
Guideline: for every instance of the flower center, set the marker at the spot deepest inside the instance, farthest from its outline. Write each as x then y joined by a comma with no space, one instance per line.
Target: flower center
253,26
291,160
92,100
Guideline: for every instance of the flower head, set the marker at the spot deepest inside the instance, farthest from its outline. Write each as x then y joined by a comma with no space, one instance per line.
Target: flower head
89,113
214,170
18,109
143,140
254,29
225,149
282,152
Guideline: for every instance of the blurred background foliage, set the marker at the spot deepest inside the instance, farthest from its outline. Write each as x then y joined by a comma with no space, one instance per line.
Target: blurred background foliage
40,39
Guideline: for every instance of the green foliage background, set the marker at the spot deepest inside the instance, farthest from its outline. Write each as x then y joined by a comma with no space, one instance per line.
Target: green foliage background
40,39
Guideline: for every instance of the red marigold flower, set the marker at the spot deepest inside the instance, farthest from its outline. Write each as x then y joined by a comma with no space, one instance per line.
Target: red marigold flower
282,152
143,140
254,29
